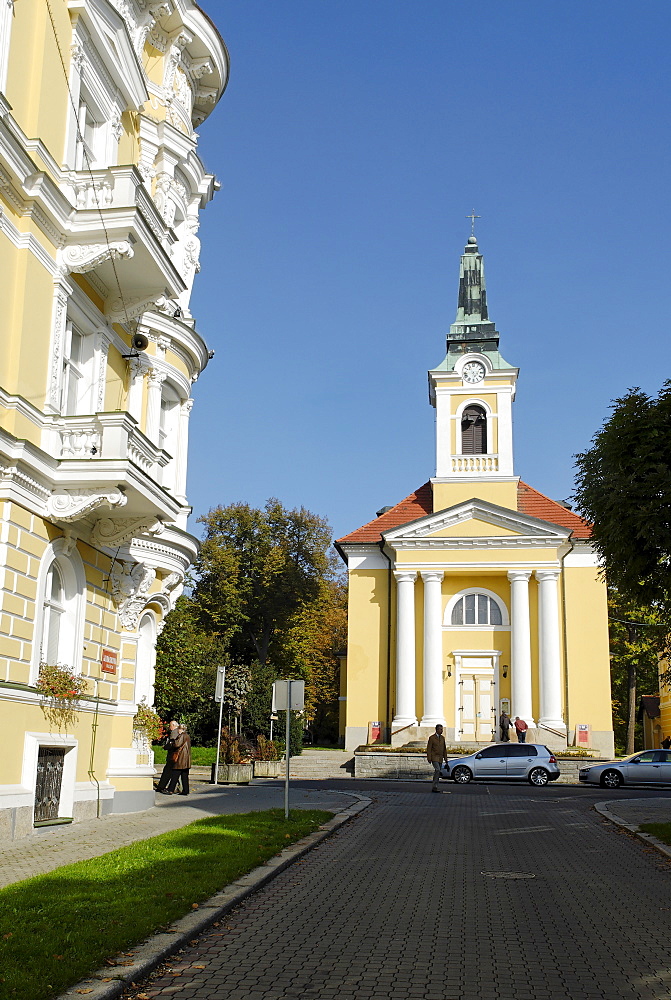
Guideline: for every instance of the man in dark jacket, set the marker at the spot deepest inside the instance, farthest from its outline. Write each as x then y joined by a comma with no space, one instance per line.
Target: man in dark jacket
180,767
168,743
436,753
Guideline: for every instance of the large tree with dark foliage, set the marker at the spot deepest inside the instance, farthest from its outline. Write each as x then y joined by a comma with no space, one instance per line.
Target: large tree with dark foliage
624,490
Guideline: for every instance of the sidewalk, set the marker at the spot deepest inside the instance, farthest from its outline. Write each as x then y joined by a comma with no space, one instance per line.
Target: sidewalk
51,847
633,812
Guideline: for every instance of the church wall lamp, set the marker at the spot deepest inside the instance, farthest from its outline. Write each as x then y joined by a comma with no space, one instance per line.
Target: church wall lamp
505,669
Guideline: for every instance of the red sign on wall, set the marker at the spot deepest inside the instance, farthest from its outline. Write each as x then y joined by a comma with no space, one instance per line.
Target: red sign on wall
109,661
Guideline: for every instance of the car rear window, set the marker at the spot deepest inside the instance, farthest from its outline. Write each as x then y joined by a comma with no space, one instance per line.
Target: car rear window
522,750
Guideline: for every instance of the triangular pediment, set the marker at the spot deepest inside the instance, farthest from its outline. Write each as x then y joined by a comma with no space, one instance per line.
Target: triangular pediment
477,519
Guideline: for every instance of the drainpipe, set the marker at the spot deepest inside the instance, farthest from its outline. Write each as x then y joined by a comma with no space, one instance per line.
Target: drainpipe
388,635
94,730
564,630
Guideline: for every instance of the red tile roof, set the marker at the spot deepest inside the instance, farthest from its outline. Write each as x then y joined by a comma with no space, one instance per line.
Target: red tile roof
535,504
420,503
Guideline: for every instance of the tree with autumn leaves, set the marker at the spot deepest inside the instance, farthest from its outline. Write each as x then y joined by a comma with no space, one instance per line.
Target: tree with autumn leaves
268,599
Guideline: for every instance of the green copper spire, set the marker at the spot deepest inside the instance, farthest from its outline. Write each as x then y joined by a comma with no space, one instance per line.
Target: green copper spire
471,330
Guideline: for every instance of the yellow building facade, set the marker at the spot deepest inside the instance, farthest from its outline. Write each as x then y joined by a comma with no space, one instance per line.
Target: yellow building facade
475,594
101,188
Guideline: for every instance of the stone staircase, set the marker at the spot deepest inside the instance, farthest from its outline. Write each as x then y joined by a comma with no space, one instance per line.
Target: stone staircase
322,764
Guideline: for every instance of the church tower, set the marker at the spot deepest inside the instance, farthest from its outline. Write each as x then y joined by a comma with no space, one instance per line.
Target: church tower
475,594
473,389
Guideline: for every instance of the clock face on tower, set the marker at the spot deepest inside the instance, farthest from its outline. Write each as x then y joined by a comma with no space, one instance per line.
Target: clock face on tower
473,371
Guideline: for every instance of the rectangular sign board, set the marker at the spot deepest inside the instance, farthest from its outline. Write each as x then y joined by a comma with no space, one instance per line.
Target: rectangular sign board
108,662
280,695
221,680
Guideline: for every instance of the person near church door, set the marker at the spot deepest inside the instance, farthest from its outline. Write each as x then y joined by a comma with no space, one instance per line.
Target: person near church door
521,729
181,762
169,744
504,724
666,743
436,753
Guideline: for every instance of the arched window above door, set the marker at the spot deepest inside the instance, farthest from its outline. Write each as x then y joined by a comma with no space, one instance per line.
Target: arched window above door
473,430
476,609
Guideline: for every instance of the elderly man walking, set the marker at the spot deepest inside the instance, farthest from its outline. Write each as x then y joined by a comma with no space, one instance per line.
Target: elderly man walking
436,753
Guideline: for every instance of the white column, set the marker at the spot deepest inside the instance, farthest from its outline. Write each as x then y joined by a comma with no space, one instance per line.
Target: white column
182,449
549,650
405,649
154,390
136,371
433,650
520,646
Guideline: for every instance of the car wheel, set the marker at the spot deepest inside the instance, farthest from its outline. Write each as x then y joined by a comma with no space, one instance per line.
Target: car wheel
611,779
461,775
538,776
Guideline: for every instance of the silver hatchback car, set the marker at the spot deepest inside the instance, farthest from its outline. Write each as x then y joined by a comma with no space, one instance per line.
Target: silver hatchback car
530,762
652,767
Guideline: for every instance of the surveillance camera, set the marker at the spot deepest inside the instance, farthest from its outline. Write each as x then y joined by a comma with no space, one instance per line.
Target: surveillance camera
140,342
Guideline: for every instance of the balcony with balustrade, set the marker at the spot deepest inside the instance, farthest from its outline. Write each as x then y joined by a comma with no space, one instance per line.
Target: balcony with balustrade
474,465
117,232
108,451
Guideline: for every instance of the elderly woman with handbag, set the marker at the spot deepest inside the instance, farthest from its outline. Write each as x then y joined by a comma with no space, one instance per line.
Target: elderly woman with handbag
181,761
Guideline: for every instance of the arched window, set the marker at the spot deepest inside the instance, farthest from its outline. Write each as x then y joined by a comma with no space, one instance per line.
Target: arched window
473,430
60,608
145,665
54,610
476,609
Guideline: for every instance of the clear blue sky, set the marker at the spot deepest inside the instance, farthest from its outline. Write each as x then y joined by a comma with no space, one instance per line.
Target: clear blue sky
353,139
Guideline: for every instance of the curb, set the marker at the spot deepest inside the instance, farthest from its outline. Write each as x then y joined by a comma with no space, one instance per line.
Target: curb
647,838
150,953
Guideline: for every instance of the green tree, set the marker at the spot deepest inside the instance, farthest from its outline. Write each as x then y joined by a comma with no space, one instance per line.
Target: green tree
635,642
187,657
624,491
267,586
317,632
256,569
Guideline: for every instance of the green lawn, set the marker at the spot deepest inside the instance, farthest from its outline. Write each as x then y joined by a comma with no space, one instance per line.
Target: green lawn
200,756
57,928
660,830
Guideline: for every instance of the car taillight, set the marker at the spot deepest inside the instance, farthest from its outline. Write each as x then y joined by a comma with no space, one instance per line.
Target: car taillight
552,759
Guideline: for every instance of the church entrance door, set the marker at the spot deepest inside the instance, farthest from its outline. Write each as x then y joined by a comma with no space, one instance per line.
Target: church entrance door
476,700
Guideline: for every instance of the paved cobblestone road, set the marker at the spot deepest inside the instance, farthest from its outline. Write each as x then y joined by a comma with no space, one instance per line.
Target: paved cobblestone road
407,902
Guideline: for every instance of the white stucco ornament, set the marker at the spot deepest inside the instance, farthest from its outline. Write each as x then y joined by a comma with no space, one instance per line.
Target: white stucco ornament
131,583
71,505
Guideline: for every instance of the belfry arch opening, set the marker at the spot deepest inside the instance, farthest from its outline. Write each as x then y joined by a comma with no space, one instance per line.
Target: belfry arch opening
473,430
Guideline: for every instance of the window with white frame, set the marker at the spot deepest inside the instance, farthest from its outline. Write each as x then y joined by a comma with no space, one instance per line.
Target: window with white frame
476,609
169,431
77,383
60,609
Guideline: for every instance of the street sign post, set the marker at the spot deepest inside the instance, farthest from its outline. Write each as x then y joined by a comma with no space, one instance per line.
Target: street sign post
288,696
219,696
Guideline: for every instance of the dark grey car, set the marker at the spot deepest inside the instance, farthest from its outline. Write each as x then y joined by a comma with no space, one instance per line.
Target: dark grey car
532,762
652,767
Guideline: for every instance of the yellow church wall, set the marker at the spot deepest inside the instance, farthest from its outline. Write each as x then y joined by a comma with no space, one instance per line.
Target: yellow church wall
36,84
587,649
664,703
367,648
472,527
448,494
116,386
31,351
129,147
153,64
88,290
508,557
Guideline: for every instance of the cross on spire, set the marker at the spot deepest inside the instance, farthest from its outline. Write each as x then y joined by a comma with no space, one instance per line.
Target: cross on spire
473,217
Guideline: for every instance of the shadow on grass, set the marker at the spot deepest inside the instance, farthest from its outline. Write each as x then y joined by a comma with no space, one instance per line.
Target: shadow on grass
57,928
